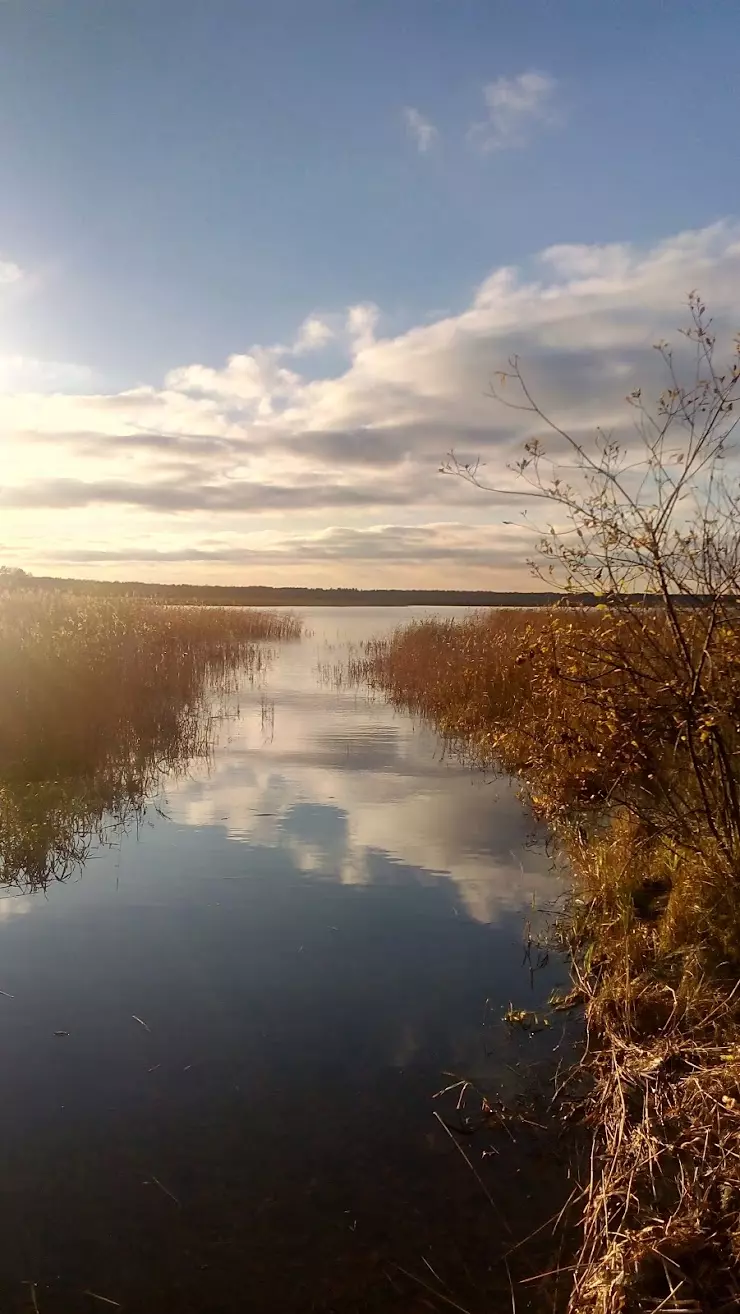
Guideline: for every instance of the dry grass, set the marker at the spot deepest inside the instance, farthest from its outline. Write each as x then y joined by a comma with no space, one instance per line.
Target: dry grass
659,1086
98,700
654,930
551,697
661,1206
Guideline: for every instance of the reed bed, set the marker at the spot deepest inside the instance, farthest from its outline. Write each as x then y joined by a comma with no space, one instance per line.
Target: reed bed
581,705
99,700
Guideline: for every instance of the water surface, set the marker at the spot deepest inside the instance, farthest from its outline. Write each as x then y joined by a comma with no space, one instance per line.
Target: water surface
313,929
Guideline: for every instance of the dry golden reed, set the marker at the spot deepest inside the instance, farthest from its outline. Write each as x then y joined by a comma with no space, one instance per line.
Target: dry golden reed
581,705
99,699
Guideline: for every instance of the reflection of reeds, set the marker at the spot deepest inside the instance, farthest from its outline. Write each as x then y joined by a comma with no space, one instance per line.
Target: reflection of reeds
268,718
98,700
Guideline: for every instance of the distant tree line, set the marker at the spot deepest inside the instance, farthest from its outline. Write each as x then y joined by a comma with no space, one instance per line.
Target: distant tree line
252,595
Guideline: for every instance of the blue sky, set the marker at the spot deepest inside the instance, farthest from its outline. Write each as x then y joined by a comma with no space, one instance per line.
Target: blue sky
183,180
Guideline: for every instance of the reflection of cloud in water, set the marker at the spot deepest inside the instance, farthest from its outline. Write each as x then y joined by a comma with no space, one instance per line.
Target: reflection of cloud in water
341,780
14,906
307,941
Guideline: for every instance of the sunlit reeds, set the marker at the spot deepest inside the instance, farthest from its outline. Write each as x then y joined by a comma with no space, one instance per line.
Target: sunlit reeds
99,700
588,709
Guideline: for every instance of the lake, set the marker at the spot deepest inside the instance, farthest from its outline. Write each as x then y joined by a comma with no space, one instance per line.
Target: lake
222,1035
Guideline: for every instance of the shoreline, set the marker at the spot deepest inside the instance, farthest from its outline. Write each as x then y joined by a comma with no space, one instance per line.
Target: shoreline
649,935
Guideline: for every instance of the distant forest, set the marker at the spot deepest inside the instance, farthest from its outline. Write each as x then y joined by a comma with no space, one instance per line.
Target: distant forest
256,595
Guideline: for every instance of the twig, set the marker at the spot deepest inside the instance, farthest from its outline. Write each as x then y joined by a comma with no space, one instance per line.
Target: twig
554,1218
550,1272
475,1173
437,1294
162,1187
511,1285
442,1283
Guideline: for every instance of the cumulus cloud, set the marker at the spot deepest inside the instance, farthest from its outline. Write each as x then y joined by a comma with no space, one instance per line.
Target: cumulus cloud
261,443
257,377
421,131
313,334
515,108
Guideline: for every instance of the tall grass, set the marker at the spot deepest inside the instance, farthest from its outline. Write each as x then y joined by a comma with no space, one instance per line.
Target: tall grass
583,706
550,697
99,699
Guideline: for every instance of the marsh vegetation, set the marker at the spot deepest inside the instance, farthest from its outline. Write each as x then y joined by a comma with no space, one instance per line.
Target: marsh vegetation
99,700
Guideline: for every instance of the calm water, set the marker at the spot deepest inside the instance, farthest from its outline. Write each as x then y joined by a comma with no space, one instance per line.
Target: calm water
315,927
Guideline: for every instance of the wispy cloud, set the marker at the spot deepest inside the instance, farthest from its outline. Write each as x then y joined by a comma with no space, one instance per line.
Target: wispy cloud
420,130
10,272
27,374
515,107
448,541
313,334
362,320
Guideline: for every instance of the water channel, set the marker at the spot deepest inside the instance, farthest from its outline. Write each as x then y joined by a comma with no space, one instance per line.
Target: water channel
222,1035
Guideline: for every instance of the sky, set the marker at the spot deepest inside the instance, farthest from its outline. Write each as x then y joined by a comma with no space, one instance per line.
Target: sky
261,259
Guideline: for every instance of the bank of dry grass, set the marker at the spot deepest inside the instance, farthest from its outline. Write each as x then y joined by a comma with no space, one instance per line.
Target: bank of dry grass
99,699
655,922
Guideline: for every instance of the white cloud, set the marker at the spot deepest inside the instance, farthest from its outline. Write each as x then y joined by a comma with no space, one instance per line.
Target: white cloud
182,476
362,320
515,107
313,334
389,799
420,130
27,374
256,377
12,906
448,543
10,272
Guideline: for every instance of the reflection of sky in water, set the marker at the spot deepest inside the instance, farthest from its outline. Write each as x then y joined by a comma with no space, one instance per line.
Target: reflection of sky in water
311,932
337,778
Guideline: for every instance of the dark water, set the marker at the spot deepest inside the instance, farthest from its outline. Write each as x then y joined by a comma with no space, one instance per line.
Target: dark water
315,927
